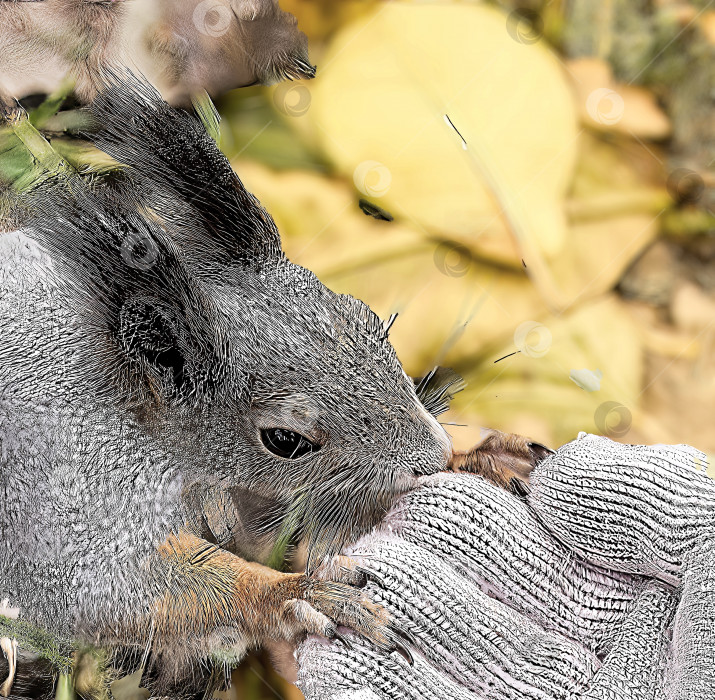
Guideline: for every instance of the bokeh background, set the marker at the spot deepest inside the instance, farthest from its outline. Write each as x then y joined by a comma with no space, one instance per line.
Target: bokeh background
542,177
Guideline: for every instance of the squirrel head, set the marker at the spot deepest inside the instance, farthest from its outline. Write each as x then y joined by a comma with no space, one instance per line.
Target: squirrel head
195,323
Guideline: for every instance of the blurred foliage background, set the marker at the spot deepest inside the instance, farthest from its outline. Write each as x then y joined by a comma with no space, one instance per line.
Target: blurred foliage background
542,177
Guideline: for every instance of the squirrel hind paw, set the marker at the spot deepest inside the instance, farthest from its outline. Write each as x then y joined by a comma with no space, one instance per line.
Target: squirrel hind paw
501,457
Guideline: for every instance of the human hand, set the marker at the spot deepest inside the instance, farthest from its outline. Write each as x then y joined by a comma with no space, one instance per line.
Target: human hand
502,608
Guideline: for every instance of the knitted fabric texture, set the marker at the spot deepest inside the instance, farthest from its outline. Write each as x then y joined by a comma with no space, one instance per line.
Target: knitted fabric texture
600,587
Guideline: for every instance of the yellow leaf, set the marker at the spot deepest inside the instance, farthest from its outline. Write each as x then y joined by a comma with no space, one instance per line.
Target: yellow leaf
537,380
380,105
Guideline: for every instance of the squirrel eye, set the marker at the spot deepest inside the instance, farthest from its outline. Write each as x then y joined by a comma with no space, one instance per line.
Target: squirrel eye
286,443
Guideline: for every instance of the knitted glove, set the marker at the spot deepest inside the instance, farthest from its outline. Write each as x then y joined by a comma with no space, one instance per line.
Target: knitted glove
501,608
633,508
647,510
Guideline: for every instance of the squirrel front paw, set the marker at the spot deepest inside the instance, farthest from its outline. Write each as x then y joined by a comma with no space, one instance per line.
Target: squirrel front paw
331,599
318,606
235,605
501,457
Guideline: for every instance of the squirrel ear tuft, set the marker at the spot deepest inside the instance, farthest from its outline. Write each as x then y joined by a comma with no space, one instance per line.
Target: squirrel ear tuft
278,49
437,388
288,66
184,177
129,283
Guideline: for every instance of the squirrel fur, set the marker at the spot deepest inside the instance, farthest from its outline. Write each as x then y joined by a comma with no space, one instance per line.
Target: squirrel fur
157,350
182,46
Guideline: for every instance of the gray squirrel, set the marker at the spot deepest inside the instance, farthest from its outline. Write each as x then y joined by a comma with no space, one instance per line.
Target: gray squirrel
181,405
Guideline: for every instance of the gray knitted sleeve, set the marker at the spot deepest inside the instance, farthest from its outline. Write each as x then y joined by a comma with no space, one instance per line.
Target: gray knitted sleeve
546,600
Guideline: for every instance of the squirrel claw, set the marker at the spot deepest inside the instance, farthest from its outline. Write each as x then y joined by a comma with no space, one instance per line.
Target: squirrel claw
341,639
406,654
404,634
396,647
540,451
371,576
518,488
402,649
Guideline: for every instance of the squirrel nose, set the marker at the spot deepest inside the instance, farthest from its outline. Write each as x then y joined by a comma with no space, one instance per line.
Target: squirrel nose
437,460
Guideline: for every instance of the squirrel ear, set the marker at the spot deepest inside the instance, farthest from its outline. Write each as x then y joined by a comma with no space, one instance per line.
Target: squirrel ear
184,177
130,285
149,334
